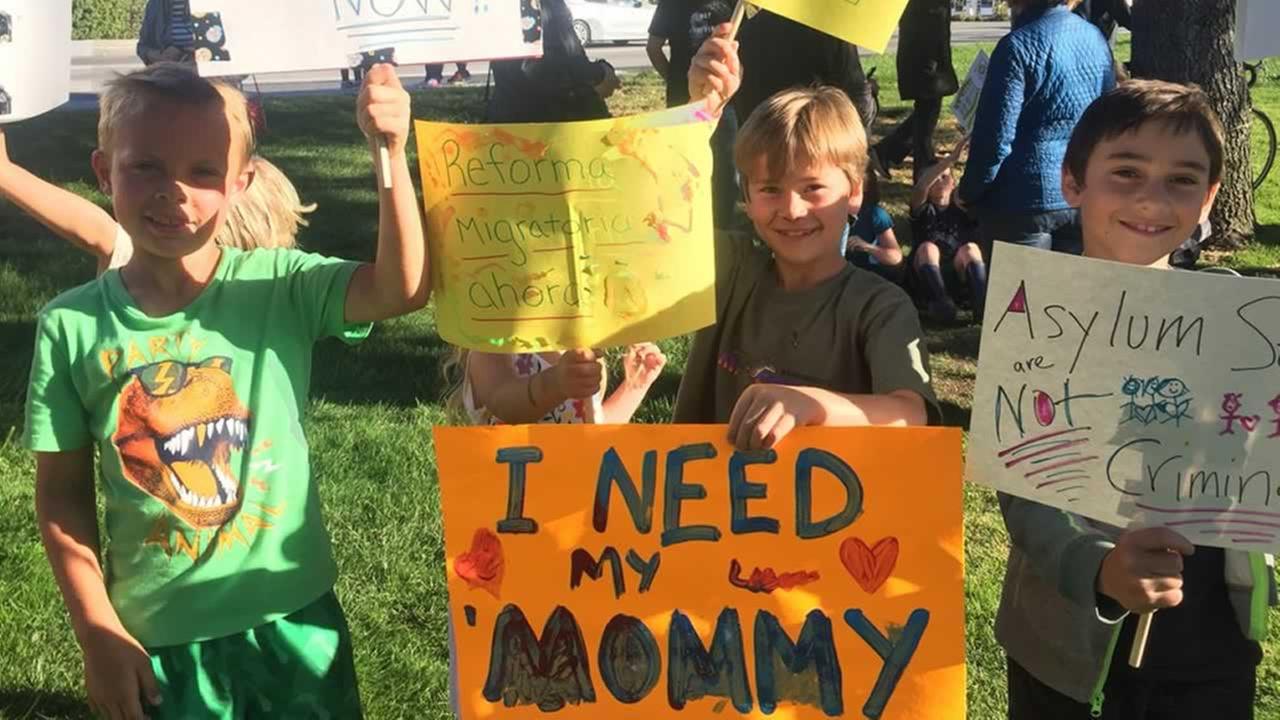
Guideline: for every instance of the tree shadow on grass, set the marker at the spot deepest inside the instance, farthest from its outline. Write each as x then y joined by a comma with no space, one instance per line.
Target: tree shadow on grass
23,703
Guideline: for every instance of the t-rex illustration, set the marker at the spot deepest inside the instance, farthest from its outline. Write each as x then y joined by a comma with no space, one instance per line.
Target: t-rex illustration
178,424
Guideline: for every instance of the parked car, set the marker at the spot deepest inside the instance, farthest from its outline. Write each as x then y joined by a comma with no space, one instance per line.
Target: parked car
616,21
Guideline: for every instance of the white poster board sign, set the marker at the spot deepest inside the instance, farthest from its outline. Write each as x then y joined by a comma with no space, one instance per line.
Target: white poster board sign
241,37
965,103
1257,26
35,57
1132,396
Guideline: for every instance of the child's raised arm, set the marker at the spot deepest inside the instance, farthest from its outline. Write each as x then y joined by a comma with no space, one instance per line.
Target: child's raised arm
117,670
715,73
398,281
87,226
933,173
642,365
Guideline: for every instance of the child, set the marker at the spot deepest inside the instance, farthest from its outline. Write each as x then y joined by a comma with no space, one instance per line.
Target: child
1143,166
869,240
802,337
944,257
187,370
267,214
550,387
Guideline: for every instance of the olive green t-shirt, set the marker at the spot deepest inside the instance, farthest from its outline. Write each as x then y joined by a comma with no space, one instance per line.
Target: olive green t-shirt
855,333
213,523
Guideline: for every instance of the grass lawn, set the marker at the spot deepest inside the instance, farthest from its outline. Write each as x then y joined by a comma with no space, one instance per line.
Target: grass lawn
372,409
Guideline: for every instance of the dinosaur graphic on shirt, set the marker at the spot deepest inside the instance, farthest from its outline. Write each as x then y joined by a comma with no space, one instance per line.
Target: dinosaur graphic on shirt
178,425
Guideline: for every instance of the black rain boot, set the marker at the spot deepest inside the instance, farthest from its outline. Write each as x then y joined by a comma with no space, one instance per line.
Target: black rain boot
977,273
940,307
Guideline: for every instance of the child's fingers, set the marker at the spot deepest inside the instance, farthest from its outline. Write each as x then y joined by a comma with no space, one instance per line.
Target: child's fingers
382,74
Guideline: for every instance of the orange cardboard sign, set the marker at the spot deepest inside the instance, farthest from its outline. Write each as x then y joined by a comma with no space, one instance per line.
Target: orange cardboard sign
654,572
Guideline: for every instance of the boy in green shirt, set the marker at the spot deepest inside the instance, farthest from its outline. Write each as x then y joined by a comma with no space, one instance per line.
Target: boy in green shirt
187,370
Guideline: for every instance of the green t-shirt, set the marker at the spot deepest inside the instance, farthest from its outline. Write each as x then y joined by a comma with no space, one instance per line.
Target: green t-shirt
854,333
212,519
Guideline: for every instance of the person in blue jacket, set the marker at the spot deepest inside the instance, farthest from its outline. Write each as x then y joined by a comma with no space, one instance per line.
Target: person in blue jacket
1042,76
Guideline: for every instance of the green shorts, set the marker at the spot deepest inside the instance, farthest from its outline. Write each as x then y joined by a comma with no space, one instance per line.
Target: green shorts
299,666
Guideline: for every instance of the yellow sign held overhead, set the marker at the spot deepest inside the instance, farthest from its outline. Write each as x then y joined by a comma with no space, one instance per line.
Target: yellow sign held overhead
555,236
868,23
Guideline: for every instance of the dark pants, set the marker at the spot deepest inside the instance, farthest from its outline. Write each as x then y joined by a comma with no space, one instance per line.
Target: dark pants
1057,230
914,135
724,176
1128,696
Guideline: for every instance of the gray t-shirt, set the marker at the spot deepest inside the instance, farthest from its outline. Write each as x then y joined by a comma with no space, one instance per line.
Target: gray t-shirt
854,333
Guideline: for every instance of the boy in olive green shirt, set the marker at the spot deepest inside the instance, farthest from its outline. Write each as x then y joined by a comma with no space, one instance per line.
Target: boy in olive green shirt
802,337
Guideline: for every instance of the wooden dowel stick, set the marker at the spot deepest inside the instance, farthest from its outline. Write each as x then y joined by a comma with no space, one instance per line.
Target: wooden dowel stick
1139,647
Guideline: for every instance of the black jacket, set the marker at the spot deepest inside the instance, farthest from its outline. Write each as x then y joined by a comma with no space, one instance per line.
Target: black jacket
924,51
558,87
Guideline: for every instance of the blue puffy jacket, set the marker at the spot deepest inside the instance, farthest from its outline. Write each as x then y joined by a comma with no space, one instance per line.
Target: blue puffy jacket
1041,78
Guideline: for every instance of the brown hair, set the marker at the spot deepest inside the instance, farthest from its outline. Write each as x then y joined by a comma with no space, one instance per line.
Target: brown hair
814,124
175,82
1134,103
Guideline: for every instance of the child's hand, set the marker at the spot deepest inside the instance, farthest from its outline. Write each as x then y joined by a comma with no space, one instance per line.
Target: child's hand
715,73
1143,572
643,364
118,675
578,375
383,107
765,413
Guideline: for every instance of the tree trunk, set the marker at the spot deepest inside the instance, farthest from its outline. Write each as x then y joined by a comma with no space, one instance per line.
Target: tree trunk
1190,41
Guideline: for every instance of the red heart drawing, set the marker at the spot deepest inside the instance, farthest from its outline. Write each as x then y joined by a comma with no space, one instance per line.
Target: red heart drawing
869,566
1250,423
482,565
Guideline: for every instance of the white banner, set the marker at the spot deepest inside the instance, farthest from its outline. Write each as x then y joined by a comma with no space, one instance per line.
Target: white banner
1132,396
1257,29
241,37
965,103
35,57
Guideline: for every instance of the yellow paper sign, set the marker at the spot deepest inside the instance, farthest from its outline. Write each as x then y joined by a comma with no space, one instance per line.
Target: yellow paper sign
555,236
869,23
652,572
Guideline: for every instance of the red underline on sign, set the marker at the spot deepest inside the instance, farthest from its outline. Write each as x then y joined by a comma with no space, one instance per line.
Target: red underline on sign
1224,522
1061,480
621,244
1215,531
1065,463
1221,511
1052,448
1038,438
532,192
485,257
532,317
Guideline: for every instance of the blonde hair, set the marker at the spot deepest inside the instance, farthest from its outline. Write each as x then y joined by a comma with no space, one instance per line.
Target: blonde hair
267,214
127,95
804,126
